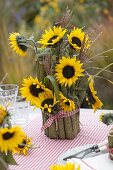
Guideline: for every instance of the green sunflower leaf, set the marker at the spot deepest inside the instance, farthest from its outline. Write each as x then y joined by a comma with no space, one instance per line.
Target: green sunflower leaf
54,83
42,53
3,164
10,159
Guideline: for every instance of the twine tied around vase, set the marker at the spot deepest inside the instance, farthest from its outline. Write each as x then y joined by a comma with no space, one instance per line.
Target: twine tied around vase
58,116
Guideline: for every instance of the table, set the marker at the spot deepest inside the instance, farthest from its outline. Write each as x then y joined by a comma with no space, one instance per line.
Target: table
92,131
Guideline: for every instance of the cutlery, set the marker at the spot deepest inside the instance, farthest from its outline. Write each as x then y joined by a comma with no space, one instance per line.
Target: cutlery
98,148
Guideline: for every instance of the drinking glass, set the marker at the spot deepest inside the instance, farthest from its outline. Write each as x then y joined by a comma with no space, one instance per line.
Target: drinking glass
8,94
21,116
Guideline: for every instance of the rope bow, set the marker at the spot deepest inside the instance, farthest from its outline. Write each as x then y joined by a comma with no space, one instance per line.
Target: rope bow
58,116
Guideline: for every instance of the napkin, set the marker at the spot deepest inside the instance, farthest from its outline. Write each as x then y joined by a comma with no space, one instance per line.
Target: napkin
100,162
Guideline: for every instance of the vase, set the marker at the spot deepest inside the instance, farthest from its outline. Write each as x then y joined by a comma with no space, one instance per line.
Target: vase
64,127
110,144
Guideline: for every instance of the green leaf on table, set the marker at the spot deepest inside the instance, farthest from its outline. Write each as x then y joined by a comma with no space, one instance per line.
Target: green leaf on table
10,159
3,156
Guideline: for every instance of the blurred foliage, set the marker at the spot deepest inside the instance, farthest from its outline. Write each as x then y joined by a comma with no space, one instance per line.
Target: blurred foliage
105,44
27,17
86,12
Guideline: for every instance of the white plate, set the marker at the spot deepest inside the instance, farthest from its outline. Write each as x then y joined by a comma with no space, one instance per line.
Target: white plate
71,152
99,162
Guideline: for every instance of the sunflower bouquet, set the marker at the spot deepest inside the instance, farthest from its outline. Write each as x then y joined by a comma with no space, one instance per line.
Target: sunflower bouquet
62,81
12,140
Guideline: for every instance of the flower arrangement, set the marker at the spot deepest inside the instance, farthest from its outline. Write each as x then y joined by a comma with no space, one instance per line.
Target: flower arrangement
63,80
12,140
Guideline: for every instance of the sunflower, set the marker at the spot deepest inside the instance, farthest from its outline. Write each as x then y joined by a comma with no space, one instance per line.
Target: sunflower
10,138
67,166
68,71
66,104
52,37
23,147
76,39
46,101
32,88
92,96
16,41
3,114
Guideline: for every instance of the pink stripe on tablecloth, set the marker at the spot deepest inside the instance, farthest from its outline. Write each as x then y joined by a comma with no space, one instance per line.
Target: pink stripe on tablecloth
92,131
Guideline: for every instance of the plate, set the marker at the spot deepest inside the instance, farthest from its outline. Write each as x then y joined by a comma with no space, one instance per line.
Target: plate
71,152
98,162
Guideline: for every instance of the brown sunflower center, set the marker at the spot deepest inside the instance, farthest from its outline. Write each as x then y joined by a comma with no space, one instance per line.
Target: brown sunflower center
48,102
53,38
22,145
76,41
19,41
91,99
67,103
7,135
68,71
35,91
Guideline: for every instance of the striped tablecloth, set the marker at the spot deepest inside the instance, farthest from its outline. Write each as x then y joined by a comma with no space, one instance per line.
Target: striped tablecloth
92,131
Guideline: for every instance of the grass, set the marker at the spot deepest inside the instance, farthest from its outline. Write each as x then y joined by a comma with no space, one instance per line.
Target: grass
14,66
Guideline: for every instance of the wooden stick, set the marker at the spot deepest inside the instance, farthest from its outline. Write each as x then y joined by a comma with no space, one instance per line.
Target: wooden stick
45,117
61,129
75,124
52,131
68,128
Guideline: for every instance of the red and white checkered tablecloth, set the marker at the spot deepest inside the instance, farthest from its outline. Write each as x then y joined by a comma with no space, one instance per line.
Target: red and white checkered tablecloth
92,131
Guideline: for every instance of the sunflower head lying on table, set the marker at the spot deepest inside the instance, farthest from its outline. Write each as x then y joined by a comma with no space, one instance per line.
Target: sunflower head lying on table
67,166
63,79
11,139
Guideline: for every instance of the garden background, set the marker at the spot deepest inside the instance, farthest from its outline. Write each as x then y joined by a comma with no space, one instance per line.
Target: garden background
34,16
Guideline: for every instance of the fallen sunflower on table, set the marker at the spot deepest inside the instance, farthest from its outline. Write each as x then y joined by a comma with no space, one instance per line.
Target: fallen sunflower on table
67,166
23,147
10,138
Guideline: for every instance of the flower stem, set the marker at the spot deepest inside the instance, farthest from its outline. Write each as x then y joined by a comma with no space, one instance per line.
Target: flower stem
36,50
